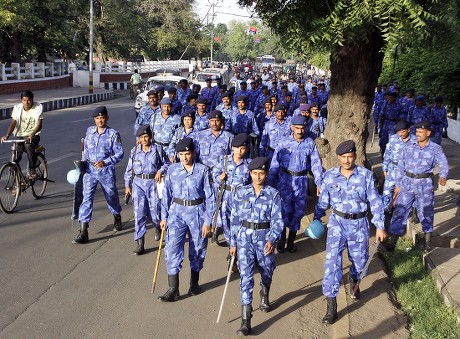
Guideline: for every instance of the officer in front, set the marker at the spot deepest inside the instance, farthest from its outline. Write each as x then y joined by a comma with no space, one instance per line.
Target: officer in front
187,206
102,151
348,189
256,223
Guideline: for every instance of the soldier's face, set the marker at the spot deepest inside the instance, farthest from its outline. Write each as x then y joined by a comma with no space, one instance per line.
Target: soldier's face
298,131
241,105
226,101
166,109
144,140
26,103
201,107
188,122
404,133
239,151
268,107
288,98
186,158
153,100
172,95
101,121
280,114
258,176
215,124
422,134
347,160
305,113
314,111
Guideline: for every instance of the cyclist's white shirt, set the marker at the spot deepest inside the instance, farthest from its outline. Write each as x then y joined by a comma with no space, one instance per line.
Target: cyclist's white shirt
26,121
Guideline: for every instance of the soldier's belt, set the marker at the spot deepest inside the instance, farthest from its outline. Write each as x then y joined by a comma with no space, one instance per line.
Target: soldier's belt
270,148
188,202
419,176
294,174
256,225
146,176
230,188
161,144
352,216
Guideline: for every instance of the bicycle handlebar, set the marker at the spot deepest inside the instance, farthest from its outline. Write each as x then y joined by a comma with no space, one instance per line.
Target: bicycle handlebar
14,141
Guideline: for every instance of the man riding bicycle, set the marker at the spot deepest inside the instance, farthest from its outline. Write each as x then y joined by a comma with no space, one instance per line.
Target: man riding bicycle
26,124
136,82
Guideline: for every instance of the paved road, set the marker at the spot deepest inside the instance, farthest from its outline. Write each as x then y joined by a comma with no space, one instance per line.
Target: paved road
54,289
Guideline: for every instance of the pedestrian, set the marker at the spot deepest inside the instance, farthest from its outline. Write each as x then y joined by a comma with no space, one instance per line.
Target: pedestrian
146,164
186,130
390,114
136,82
163,124
26,124
201,118
348,189
419,112
316,124
187,206
274,131
226,108
293,158
183,91
146,112
102,151
243,121
176,106
256,223
414,184
439,120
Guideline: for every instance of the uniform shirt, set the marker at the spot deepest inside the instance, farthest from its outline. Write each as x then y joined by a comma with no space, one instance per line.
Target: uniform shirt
201,122
191,185
145,116
266,207
182,95
237,174
392,112
315,127
179,134
419,114
406,104
393,151
238,94
102,147
273,133
243,123
163,128
262,118
418,160
26,120
297,157
313,99
211,149
439,117
149,162
350,196
259,105
323,97
176,107
208,94
252,99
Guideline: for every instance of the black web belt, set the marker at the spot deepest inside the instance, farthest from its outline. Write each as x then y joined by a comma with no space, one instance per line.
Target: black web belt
352,216
230,188
256,225
188,202
161,144
419,176
294,174
146,176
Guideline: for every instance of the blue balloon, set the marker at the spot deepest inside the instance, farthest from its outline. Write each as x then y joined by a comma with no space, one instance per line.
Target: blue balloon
72,176
315,230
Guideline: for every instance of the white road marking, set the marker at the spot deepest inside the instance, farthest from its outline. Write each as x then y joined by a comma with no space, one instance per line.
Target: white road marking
83,120
69,155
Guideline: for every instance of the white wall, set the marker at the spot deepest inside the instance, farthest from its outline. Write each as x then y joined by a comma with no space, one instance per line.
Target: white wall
81,79
453,130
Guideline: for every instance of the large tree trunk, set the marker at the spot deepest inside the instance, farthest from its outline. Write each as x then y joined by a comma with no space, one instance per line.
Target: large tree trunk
355,69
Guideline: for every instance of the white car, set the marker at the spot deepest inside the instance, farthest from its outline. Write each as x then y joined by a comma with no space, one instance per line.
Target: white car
159,80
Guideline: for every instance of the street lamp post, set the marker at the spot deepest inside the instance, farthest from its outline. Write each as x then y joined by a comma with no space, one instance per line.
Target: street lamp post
91,34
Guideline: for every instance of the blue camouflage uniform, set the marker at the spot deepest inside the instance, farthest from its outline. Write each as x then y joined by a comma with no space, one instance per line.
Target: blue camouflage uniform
272,134
390,165
417,191
243,123
181,186
264,208
262,119
389,115
418,114
100,147
211,149
315,127
406,105
227,114
288,173
145,116
252,99
314,100
379,100
179,134
141,169
182,95
163,129
439,121
351,197
239,93
208,94
201,122
176,107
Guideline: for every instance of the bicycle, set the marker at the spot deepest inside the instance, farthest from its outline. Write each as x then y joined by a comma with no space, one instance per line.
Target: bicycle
13,182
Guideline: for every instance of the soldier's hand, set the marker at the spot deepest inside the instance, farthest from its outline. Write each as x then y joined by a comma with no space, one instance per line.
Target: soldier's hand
223,176
268,248
232,251
163,225
158,176
380,235
318,191
127,191
442,181
384,174
205,231
396,191
172,160
99,164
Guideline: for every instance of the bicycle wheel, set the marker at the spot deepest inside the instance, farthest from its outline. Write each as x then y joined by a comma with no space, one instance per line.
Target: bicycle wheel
39,184
9,188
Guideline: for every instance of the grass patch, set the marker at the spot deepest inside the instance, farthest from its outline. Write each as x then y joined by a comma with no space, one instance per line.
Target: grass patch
416,291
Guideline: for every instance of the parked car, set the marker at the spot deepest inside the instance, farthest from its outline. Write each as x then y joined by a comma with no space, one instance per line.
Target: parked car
159,80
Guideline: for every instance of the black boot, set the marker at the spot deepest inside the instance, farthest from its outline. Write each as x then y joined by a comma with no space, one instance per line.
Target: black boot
290,243
246,315
215,238
428,247
391,243
282,241
264,301
172,294
82,237
156,233
117,222
331,313
356,295
194,287
140,246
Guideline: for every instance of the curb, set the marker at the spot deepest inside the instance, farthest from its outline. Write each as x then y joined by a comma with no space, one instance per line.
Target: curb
86,99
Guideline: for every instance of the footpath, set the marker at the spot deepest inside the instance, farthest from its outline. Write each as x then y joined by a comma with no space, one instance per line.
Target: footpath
444,260
54,99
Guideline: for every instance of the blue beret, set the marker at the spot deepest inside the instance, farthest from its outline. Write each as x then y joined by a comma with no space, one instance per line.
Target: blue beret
242,98
299,120
401,124
421,98
423,124
267,101
223,86
216,114
279,107
303,100
243,83
274,96
151,92
288,94
188,113
240,140
100,111
208,79
260,163
392,94
227,95
347,146
185,145
196,86
192,96
143,129
159,89
304,107
264,87
165,101
201,100
172,90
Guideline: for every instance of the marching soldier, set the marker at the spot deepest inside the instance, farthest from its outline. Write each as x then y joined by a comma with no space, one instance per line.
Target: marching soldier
439,120
146,112
187,207
146,164
201,119
186,131
390,114
274,131
256,223
163,124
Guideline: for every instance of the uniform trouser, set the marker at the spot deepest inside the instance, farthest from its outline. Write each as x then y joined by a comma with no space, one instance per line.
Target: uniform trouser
389,187
436,134
387,130
146,204
106,177
340,233
250,251
294,192
183,221
29,147
223,219
416,193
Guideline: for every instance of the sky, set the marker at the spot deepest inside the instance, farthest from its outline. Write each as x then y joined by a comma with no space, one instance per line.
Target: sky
226,10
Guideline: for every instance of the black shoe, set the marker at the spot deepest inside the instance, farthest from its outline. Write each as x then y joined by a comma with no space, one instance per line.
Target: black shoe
172,294
246,315
117,222
331,313
156,233
140,247
290,243
264,300
281,242
354,295
214,238
427,247
390,245
82,237
194,287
